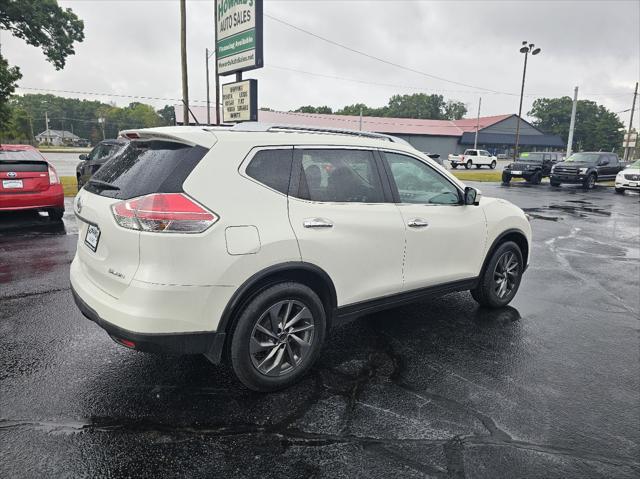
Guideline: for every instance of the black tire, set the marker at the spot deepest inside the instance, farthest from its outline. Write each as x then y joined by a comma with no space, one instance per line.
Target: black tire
488,292
620,191
55,214
554,183
506,179
493,165
454,166
245,363
79,182
536,178
590,182
468,164
478,166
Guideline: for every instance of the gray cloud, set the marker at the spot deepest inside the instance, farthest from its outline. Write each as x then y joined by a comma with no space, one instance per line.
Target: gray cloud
132,48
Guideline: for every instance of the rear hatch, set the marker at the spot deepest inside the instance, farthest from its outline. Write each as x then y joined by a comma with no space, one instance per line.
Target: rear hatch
109,253
22,172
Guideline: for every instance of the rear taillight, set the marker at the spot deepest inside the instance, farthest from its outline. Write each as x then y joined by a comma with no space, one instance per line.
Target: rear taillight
53,176
163,213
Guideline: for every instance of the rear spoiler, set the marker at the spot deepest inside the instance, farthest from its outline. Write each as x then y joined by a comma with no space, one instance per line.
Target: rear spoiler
189,138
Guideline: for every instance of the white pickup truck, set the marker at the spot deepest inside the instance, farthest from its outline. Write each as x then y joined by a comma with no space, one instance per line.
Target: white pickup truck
475,158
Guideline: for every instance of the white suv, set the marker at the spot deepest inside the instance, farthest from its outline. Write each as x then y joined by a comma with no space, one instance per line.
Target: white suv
246,243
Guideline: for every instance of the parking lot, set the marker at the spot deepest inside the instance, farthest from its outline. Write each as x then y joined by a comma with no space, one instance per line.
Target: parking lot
547,387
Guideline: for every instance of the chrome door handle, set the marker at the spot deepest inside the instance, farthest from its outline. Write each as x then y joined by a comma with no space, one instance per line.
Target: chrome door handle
417,223
317,223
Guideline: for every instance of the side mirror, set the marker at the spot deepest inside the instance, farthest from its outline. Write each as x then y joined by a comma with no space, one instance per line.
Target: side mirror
604,162
471,196
83,157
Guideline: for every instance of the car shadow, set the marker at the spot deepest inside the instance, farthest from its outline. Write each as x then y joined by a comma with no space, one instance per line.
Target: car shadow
27,223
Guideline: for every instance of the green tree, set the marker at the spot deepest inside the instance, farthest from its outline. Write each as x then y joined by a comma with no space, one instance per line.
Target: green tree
596,127
41,23
314,109
454,110
168,115
357,108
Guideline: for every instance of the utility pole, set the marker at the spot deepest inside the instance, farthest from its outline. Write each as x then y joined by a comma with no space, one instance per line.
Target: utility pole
183,56
633,107
360,118
206,57
217,82
46,123
573,122
475,142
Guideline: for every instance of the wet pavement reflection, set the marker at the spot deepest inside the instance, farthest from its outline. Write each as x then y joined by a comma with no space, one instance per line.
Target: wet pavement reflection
546,387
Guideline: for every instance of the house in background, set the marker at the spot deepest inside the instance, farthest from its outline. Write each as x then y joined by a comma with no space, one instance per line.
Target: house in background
60,138
496,134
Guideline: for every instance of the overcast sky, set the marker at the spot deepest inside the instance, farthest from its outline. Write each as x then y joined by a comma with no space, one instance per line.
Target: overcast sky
132,48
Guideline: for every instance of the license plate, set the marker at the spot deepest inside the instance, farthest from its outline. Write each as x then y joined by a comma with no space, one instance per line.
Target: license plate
92,237
8,184
516,172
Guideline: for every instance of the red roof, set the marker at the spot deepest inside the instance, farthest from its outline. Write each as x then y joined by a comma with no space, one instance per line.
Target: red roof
398,126
392,126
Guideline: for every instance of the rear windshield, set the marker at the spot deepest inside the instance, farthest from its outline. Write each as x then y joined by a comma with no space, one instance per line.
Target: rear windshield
22,160
145,168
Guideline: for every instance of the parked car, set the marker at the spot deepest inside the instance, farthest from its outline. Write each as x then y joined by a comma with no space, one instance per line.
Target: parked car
532,166
586,168
434,156
629,178
101,153
503,156
475,158
252,240
29,182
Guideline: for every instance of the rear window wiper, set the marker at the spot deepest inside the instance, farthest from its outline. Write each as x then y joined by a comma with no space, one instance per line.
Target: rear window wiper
104,184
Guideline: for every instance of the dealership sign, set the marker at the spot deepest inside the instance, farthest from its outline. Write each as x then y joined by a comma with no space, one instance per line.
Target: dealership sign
238,35
240,101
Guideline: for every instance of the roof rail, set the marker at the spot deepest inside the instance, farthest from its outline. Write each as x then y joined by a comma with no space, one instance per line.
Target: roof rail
265,127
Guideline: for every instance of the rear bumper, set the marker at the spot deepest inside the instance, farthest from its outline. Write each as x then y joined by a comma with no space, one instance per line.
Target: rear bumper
155,318
209,344
53,197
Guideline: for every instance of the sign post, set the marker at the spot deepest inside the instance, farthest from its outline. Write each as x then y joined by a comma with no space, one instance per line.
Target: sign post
238,35
240,101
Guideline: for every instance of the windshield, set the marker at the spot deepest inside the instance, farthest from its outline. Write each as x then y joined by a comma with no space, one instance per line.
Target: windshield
635,164
583,158
536,157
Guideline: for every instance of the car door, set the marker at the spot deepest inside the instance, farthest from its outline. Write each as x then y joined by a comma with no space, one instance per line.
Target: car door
346,222
611,170
444,239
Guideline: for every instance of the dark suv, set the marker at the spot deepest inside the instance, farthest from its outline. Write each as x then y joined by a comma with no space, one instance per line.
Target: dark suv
103,152
532,166
586,168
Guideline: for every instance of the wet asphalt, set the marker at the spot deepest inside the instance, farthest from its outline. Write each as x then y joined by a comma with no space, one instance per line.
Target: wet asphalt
548,387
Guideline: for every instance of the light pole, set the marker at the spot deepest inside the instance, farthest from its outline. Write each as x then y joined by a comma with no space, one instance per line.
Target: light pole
526,49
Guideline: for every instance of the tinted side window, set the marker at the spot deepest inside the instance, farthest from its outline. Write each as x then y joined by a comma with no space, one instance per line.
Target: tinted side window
272,168
344,176
419,183
147,167
472,153
613,160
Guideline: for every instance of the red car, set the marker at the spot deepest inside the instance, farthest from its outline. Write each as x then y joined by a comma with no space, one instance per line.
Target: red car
29,182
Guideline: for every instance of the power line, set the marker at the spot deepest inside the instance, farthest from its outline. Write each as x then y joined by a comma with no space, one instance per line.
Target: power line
413,87
403,67
373,57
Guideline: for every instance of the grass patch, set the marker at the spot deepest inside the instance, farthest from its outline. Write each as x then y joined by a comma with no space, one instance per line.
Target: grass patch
70,185
62,149
493,176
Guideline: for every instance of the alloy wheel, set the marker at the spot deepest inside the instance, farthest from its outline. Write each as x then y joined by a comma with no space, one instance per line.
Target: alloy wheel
282,338
505,276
